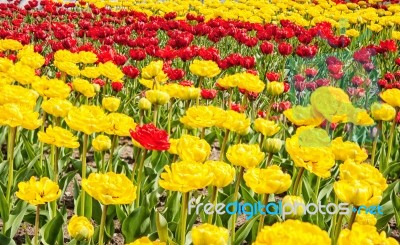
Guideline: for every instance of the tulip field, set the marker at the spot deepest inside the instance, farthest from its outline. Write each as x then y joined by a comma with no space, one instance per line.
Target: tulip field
260,122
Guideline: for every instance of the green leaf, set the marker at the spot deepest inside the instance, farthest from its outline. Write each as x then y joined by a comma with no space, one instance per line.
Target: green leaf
396,207
162,227
244,231
6,240
16,220
247,196
52,230
4,210
131,225
88,205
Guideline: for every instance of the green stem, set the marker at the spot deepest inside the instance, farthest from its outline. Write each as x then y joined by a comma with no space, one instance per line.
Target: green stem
170,117
214,198
10,155
390,144
222,152
352,218
182,230
262,217
374,150
41,143
297,182
337,228
113,144
140,176
37,225
84,151
155,114
103,167
269,159
235,197
102,225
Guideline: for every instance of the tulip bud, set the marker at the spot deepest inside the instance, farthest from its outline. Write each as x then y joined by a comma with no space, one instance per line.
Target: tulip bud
275,88
144,104
157,97
96,87
293,206
273,145
80,228
101,143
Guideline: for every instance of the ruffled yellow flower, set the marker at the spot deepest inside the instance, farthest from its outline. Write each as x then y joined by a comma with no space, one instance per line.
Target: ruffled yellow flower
15,94
37,192
348,150
396,35
229,81
88,119
146,241
247,156
101,143
310,148
206,234
91,72
375,27
364,234
80,228
157,97
204,68
111,71
152,70
186,176
361,118
292,232
173,147
181,92
236,122
51,88
192,148
10,44
357,192
68,67
57,107
391,96
110,188
199,117
223,173
275,88
84,87
111,103
86,57
364,218
266,127
15,115
119,124
303,116
22,73
30,58
383,112
276,182
64,55
352,33
59,137
250,82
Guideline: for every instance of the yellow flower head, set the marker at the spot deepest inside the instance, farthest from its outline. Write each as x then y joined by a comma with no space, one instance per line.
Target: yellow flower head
266,127
57,107
86,57
64,55
250,82
272,145
200,117
223,173
352,33
364,234
152,70
88,119
204,68
391,96
290,202
310,148
119,124
110,188
146,241
236,122
10,44
59,137
383,112
84,87
292,232
144,104
15,115
186,176
51,88
247,156
37,192
91,72
157,97
303,116
348,150
111,71
192,148
276,183
101,143
364,218
68,67
361,117
111,103
275,88
80,228
22,73
206,234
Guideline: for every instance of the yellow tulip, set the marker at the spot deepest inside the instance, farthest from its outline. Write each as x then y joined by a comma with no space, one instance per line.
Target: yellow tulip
144,104
199,117
185,176
111,71
207,234
303,116
84,87
391,96
236,122
157,97
364,234
110,188
204,68
348,150
364,218
87,119
272,145
146,241
111,103
276,183
87,57
295,202
250,82
91,72
59,137
10,44
57,107
223,173
101,143
51,88
152,70
38,192
68,67
383,112
119,124
247,156
64,55
266,127
275,88
80,228
192,148
292,232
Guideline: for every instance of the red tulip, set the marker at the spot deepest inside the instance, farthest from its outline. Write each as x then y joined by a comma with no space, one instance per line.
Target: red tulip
150,137
117,86
285,48
272,76
208,94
